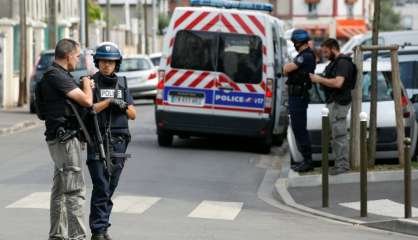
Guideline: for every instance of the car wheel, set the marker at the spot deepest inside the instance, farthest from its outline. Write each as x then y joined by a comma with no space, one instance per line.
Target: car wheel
165,139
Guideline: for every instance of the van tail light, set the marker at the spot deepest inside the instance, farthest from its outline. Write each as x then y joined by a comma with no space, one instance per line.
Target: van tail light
268,102
160,88
404,104
152,76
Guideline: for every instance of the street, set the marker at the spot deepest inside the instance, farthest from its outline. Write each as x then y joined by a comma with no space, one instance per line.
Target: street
198,189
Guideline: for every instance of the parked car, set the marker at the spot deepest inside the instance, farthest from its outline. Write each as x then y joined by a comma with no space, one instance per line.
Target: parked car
385,38
46,58
141,75
386,122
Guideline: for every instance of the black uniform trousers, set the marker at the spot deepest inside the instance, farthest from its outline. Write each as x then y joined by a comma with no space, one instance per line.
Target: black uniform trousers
104,185
298,109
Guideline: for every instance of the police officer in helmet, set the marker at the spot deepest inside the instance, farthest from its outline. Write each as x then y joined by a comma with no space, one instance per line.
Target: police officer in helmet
114,106
299,84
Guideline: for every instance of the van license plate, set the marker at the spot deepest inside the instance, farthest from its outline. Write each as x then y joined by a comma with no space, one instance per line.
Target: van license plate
185,98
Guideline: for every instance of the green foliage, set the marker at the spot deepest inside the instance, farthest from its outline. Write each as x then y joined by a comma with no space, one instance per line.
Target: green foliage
389,19
163,21
95,12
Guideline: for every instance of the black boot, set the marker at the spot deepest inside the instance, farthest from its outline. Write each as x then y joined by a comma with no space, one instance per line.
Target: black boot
98,236
306,166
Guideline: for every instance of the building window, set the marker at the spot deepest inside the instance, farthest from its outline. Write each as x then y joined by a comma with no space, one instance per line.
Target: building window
312,9
350,11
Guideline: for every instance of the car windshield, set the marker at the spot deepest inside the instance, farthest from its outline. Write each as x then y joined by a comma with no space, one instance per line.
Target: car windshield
134,64
156,61
384,89
47,59
237,55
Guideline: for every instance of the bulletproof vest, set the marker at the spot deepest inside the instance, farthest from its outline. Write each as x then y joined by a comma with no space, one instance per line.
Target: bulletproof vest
111,87
53,107
342,95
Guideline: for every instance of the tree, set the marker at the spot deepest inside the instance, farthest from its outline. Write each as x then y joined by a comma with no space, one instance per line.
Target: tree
389,19
163,22
95,12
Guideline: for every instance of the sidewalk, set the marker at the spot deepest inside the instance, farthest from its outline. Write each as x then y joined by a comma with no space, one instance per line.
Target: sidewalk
385,198
16,120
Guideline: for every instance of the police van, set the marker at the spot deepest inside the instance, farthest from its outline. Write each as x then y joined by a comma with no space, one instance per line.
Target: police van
220,73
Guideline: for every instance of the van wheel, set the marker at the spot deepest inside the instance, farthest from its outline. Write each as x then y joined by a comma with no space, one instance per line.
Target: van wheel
165,139
278,139
265,145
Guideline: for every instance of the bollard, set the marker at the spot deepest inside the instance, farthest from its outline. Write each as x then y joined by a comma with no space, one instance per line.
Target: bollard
407,178
325,159
363,164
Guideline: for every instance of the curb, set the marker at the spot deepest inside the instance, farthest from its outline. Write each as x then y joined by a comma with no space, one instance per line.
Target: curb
22,126
296,180
405,226
281,193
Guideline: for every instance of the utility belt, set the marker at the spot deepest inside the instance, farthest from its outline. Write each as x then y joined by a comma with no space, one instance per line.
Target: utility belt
64,134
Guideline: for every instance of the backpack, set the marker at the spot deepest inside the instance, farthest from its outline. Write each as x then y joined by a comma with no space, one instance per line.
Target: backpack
352,82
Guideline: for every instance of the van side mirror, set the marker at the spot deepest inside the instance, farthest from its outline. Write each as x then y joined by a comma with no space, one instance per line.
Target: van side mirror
414,98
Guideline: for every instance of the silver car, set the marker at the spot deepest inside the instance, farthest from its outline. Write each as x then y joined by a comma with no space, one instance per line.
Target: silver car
141,75
386,146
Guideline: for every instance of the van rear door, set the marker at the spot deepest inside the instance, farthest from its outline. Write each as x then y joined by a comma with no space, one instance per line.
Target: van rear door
191,64
240,87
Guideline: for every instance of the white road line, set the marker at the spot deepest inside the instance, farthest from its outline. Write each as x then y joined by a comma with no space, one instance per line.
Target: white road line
38,200
133,204
217,210
383,207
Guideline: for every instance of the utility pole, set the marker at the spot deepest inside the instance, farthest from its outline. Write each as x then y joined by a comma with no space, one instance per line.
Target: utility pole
86,15
154,25
373,91
52,23
146,27
23,59
108,20
140,8
82,23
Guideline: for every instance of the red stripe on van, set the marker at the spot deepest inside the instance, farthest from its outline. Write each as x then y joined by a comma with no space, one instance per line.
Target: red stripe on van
242,24
264,68
258,24
183,78
250,88
197,21
169,60
170,74
228,24
171,42
210,24
199,79
210,84
264,50
182,18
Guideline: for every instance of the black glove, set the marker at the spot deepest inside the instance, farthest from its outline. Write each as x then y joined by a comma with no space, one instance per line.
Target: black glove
119,103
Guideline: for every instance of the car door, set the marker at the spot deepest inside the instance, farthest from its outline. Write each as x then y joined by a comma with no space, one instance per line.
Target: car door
240,87
191,73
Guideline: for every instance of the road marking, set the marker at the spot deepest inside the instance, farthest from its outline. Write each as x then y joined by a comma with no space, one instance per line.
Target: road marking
217,210
39,200
383,207
133,204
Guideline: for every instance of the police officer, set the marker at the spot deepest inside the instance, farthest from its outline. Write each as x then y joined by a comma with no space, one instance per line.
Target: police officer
339,80
298,85
114,106
53,92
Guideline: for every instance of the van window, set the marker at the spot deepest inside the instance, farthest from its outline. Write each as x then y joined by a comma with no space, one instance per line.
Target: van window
195,50
239,56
